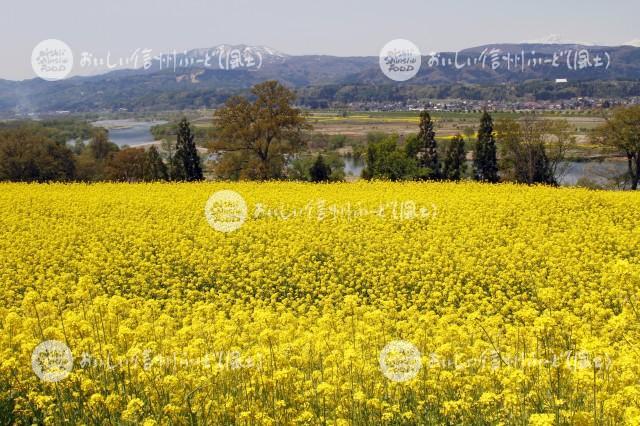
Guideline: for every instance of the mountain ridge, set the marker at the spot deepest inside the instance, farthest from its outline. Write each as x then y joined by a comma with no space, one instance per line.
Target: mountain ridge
235,68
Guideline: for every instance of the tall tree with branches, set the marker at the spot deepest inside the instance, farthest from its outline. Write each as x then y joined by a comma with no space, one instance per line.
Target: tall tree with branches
256,138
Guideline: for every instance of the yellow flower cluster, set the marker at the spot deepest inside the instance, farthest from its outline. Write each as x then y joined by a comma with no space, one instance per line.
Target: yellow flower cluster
523,302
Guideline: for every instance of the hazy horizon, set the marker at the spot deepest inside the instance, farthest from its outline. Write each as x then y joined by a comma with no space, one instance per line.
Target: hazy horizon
330,28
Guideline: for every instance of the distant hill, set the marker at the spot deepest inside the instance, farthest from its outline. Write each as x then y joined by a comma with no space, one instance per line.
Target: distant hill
189,81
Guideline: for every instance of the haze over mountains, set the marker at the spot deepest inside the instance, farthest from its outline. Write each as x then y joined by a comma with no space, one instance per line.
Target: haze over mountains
206,77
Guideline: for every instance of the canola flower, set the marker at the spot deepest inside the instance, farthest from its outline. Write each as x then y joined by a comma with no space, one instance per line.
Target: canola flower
522,301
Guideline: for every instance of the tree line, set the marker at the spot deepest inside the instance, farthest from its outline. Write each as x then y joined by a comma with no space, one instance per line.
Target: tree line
530,151
334,95
263,136
29,153
257,135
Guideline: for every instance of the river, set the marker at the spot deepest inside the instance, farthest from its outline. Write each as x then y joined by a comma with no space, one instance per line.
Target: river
595,171
129,132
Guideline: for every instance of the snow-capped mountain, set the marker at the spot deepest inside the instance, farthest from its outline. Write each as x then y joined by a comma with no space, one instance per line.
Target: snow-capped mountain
557,39
207,77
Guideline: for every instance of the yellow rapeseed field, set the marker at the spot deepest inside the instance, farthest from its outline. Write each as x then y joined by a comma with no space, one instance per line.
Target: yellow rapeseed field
521,303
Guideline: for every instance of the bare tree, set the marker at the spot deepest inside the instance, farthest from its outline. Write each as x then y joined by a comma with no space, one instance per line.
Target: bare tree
534,150
621,134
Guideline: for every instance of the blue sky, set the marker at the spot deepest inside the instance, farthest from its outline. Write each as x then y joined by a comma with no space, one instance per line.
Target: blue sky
301,27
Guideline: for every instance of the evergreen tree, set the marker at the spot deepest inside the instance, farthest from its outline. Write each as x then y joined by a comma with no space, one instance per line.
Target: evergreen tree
186,161
426,149
485,163
168,152
319,171
155,169
454,164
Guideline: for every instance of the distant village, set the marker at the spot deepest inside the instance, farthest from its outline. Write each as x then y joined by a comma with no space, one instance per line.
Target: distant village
577,104
453,105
